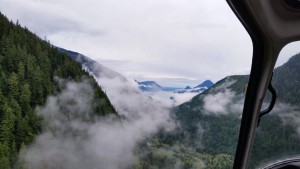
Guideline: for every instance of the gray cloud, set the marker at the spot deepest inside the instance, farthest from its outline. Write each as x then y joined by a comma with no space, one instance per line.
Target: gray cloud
195,39
173,38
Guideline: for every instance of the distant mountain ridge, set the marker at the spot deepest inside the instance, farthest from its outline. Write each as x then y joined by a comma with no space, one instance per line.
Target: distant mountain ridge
206,83
149,86
109,79
152,86
197,89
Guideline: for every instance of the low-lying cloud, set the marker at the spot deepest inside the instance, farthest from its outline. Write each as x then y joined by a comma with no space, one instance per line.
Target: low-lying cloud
217,103
223,100
289,114
170,98
74,138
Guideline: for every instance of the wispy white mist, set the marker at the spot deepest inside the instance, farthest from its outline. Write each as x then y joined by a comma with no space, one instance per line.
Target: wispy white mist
217,103
170,98
223,100
74,138
289,114
128,100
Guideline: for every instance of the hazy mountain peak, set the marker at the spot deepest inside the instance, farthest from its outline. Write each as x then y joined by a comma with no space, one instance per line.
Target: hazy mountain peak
187,87
149,86
206,83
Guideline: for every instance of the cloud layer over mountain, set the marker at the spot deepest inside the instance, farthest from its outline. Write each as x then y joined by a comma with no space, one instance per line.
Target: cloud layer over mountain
74,138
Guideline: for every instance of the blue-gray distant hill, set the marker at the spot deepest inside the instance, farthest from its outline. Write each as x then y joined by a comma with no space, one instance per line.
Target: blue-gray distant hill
152,86
149,86
206,83
197,89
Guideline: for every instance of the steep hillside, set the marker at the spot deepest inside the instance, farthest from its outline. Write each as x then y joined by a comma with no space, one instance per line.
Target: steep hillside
212,112
287,80
31,70
209,123
205,138
92,66
278,135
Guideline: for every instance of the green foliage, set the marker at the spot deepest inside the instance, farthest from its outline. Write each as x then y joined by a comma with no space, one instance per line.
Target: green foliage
222,161
180,158
4,156
28,66
286,81
215,136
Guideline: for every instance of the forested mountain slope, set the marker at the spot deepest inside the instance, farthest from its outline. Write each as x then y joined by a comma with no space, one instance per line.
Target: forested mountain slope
286,80
203,139
28,69
209,123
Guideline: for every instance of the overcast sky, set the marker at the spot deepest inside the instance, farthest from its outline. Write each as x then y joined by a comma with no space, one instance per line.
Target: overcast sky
174,42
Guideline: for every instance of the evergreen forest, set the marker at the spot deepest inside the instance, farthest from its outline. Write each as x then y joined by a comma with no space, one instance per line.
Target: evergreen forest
28,69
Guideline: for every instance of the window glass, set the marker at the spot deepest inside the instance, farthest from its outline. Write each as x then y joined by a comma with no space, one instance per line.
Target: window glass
278,135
